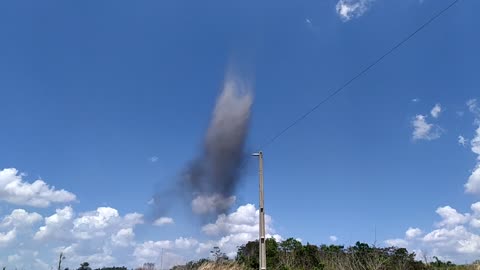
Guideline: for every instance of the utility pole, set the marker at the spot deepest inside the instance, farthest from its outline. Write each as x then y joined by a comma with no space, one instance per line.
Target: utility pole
61,257
161,261
262,249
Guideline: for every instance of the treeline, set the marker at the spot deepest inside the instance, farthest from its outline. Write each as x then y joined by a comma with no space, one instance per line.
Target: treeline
293,255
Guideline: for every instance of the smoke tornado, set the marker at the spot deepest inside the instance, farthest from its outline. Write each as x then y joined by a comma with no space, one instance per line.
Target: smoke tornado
210,179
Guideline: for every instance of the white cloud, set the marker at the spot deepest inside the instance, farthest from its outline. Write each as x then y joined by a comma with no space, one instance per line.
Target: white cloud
102,222
236,229
422,130
457,240
13,258
104,237
153,159
163,221
475,143
349,9
453,240
462,140
475,208
245,219
203,204
92,224
473,107
124,237
132,219
450,217
20,218
415,100
333,238
475,222
24,259
38,194
151,250
436,110
185,243
308,22
473,183
412,233
158,252
396,243
8,237
99,224
57,226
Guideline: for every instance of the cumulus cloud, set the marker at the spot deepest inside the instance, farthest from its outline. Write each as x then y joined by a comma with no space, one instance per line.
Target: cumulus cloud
103,221
473,183
156,252
475,220
151,249
92,224
450,217
422,130
105,237
132,219
349,9
244,219
163,221
455,239
57,226
14,190
236,229
462,140
123,238
397,243
20,218
473,107
333,238
436,110
216,203
8,237
185,243
412,233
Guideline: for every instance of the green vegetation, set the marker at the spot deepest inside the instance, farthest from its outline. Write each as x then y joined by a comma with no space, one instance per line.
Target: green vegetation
290,254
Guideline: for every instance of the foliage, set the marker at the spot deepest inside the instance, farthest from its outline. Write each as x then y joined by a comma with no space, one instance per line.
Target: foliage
84,266
191,265
291,254
218,255
112,268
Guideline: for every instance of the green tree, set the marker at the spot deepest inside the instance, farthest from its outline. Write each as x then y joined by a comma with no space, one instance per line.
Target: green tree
271,249
290,249
218,255
248,254
84,266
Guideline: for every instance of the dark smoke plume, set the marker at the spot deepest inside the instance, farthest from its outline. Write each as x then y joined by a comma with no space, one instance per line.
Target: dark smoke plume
209,181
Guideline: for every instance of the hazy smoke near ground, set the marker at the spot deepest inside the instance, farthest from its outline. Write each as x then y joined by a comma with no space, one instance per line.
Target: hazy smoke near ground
209,181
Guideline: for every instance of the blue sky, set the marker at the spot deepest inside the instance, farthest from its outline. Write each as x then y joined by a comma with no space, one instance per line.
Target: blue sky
91,91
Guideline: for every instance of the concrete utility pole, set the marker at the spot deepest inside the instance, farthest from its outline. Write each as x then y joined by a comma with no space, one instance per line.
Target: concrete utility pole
61,257
262,249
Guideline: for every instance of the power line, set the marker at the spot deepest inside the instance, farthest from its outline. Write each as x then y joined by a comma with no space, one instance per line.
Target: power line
359,74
